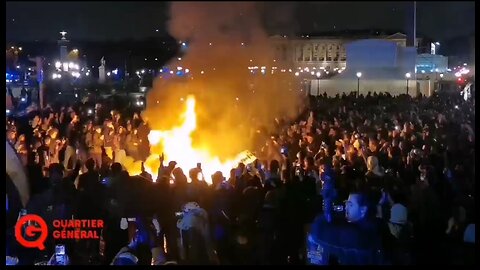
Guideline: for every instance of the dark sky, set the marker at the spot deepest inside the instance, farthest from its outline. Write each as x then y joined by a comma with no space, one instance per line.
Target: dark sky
28,21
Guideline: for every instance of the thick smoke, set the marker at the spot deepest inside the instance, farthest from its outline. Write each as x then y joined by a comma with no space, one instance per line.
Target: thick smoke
223,40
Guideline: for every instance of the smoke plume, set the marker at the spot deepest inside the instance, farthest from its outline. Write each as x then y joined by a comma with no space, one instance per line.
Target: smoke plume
222,40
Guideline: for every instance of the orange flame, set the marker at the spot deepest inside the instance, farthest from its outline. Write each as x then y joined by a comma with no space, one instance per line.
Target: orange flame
176,144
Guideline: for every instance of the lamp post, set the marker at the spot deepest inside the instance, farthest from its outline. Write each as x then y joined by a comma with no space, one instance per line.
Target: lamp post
440,84
407,77
359,74
318,83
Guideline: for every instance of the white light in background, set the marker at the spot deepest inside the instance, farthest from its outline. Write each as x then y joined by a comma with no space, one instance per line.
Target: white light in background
58,64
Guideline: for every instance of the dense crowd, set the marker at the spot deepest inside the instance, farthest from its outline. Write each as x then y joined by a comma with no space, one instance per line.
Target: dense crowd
373,179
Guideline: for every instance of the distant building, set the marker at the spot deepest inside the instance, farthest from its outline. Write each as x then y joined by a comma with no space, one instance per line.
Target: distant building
326,52
373,65
427,63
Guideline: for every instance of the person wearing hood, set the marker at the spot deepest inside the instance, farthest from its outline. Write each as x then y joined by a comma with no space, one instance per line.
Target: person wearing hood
374,177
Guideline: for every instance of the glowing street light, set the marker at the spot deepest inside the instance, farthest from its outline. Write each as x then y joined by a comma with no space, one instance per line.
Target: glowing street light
407,76
318,83
297,74
359,75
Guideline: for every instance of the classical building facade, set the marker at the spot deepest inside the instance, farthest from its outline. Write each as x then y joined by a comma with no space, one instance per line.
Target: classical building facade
328,53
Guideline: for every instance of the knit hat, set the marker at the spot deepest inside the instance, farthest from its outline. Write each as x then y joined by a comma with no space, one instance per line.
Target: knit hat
398,214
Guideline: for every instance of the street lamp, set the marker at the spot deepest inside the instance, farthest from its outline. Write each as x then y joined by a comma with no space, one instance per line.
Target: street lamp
318,83
359,74
407,76
440,85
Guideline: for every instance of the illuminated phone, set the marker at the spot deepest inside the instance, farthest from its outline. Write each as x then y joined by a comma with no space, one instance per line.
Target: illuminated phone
60,254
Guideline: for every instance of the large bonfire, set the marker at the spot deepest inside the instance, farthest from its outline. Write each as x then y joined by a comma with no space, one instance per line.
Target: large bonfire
176,145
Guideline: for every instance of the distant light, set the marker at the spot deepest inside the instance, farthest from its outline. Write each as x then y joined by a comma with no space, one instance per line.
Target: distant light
156,30
115,71
340,71
22,99
12,47
236,98
58,64
19,48
181,99
243,43
59,93
183,44
143,89
359,74
8,111
313,72
289,70
18,66
87,74
408,75
108,73
76,95
436,70
179,68
75,50
145,59
143,71
297,74
458,74
464,64
187,70
156,59
456,107
441,75
54,76
161,70
158,101
171,71
210,44
138,72
437,43
179,59
423,71
318,74
201,72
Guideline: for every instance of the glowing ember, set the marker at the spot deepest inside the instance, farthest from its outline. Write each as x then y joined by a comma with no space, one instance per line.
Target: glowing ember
176,144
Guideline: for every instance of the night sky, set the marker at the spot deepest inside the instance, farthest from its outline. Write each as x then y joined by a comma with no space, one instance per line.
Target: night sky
98,21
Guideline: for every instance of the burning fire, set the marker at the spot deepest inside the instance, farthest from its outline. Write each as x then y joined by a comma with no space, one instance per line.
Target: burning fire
176,145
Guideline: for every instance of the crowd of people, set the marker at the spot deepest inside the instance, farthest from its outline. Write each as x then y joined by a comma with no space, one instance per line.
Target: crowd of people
374,179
